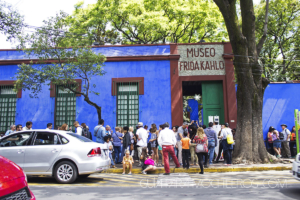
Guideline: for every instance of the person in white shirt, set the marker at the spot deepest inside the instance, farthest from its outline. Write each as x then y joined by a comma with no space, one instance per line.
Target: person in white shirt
28,126
167,141
142,137
227,148
78,128
49,126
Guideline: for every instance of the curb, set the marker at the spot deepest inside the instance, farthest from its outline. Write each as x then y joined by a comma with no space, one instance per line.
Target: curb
196,170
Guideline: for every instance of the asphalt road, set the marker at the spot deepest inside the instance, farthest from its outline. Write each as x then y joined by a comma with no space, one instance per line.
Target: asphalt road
232,185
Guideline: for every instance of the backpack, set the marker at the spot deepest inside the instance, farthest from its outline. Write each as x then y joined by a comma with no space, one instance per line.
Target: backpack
281,136
230,139
86,133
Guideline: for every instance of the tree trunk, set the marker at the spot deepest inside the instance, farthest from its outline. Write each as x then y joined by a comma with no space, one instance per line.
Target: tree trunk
249,144
98,108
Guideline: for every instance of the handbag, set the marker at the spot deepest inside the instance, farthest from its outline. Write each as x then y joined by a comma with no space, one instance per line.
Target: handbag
201,148
230,139
131,147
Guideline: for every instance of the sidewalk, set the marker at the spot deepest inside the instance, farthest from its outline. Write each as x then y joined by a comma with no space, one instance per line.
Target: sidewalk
218,167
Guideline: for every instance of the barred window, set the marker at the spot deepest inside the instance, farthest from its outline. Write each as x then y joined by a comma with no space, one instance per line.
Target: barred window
127,104
65,107
8,101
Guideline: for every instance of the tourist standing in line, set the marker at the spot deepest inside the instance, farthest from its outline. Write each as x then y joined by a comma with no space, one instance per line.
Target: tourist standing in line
201,139
49,126
270,139
227,148
185,143
99,132
211,134
28,126
18,128
181,130
126,140
78,130
64,127
142,137
192,134
117,137
285,142
220,145
132,140
108,130
153,142
160,148
12,130
276,141
293,141
167,141
86,131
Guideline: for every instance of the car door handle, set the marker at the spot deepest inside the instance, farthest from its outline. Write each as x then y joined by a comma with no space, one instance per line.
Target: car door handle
54,151
20,151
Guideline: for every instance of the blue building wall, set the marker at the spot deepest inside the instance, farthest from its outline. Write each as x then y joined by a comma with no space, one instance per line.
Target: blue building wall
280,101
154,105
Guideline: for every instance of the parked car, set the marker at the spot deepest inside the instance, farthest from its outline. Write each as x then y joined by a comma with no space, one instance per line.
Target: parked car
296,167
13,181
63,155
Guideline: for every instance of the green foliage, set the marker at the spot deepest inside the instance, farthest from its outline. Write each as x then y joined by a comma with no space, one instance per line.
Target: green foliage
145,21
281,47
57,63
11,22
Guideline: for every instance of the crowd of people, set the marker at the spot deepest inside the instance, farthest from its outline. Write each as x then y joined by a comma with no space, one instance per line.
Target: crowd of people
282,143
189,144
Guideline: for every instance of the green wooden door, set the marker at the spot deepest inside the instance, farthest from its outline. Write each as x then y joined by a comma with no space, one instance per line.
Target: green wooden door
213,102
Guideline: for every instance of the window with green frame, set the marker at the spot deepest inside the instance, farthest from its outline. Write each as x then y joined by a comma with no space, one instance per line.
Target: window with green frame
8,101
127,104
65,107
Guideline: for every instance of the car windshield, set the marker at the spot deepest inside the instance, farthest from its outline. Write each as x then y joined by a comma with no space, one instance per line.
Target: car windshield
79,137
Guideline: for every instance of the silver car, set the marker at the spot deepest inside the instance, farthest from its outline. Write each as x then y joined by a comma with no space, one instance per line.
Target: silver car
63,155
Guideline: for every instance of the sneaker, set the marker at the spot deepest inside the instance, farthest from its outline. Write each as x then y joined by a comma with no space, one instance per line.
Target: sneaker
166,174
113,166
143,172
139,165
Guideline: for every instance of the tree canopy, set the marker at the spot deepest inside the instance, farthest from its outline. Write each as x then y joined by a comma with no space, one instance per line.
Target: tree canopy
11,21
147,22
281,47
57,63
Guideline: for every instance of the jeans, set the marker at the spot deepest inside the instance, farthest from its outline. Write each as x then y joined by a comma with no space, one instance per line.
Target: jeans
166,150
229,156
292,144
117,150
200,159
211,150
185,158
112,160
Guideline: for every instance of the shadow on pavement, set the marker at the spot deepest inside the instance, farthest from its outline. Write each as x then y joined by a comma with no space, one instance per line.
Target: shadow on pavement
51,180
292,191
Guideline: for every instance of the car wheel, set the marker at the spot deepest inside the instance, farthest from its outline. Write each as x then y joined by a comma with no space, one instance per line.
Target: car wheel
83,176
65,172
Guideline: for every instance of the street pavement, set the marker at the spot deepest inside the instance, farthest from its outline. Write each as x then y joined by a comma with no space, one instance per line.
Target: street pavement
230,185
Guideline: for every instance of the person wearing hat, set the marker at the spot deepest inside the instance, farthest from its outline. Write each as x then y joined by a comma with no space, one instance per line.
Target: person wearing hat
181,130
142,137
167,141
285,141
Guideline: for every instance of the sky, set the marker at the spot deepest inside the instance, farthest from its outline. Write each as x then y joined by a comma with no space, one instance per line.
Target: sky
35,11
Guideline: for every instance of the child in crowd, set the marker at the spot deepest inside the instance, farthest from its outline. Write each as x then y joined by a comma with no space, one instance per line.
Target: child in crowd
108,142
127,162
148,162
185,143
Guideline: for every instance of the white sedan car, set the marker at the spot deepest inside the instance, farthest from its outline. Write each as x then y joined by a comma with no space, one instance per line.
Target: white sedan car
296,167
63,155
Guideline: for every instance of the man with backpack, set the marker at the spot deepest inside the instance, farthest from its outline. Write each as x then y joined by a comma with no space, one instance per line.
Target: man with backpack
284,136
99,132
86,132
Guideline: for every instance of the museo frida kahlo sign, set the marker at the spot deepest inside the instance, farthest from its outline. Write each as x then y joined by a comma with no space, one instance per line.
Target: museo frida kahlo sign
198,60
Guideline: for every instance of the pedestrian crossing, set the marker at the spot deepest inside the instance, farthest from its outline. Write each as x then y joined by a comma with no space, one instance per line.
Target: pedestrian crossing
178,180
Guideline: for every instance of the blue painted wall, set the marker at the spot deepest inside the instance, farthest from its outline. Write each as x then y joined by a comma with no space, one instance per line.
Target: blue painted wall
154,105
280,101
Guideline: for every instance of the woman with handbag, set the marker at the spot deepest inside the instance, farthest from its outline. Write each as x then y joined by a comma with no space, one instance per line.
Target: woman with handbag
153,142
201,149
